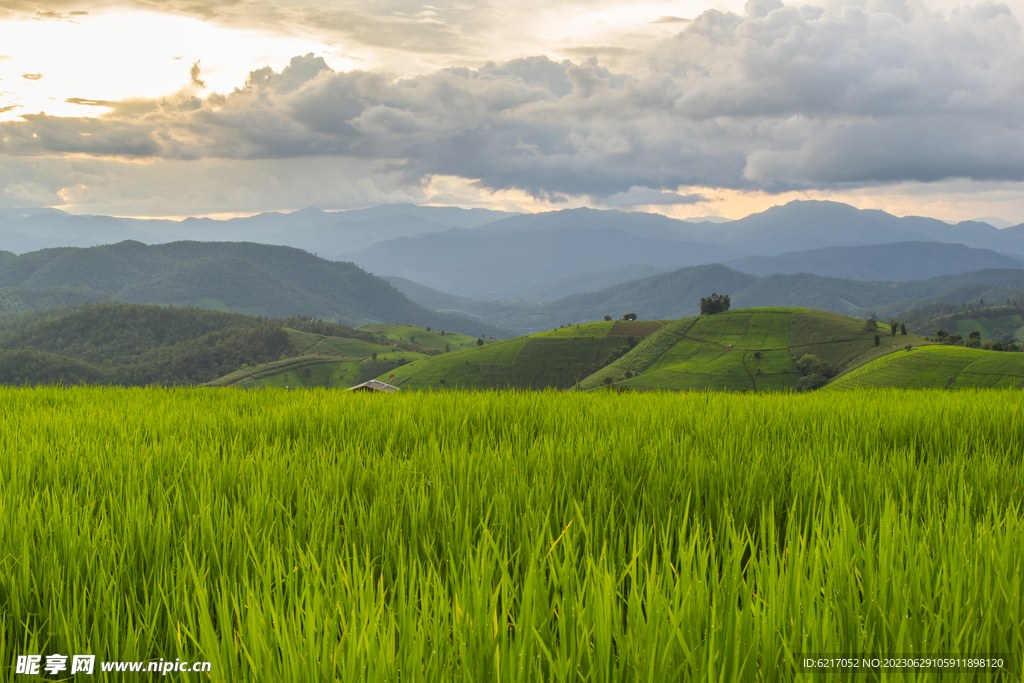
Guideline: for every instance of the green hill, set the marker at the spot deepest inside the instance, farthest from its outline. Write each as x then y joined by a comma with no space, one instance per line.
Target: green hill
557,358
334,362
746,349
432,339
995,323
116,343
131,344
949,367
243,277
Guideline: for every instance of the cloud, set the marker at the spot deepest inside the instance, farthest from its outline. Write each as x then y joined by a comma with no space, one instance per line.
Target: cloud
51,15
645,196
32,77
126,188
194,75
777,99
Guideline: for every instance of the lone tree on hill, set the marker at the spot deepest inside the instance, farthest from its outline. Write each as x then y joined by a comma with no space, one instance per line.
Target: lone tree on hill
894,326
714,304
903,328
480,342
629,316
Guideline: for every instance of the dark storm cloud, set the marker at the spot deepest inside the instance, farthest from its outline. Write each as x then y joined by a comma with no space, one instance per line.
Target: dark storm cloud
779,98
645,196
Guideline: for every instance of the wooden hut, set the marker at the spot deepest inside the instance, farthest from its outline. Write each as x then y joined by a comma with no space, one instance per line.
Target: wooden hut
374,385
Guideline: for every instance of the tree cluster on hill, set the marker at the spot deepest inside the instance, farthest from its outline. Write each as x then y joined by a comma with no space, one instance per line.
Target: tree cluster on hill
816,373
131,344
973,341
137,344
716,303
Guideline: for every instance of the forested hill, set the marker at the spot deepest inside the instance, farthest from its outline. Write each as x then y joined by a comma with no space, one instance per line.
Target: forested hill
131,344
266,280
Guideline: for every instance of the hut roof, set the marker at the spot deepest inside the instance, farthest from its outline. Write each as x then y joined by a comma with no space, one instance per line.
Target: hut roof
374,385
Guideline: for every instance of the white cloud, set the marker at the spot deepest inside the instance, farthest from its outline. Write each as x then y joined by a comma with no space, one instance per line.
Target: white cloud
778,99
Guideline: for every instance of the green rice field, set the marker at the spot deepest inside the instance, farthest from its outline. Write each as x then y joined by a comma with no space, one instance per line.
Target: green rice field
950,367
512,536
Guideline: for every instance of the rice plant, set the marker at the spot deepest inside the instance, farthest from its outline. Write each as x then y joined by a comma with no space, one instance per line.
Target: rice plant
511,536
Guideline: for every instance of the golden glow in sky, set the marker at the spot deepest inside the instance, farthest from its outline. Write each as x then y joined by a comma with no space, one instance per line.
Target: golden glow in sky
755,109
130,54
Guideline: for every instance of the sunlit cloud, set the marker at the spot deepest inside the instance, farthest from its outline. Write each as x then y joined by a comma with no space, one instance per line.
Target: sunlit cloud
676,107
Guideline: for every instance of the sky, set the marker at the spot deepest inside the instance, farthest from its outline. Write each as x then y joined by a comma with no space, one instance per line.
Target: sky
682,107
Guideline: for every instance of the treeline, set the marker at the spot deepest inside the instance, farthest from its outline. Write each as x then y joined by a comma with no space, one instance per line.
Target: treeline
139,344
130,344
973,341
332,329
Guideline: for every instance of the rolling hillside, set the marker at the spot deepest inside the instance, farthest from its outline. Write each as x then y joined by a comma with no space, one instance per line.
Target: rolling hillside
947,367
334,362
1000,323
439,340
745,350
243,277
135,345
557,358
754,349
323,362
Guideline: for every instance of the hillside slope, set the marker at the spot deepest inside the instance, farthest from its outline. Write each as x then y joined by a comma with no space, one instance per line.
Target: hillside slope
948,367
267,280
557,358
745,350
739,350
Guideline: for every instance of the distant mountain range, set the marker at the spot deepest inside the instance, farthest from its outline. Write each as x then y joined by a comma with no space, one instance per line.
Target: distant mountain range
327,233
241,277
535,257
900,261
519,272
677,294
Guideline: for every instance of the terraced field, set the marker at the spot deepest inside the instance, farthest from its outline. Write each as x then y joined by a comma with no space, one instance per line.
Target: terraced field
995,323
732,351
323,361
948,367
432,339
558,358
742,350
309,344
